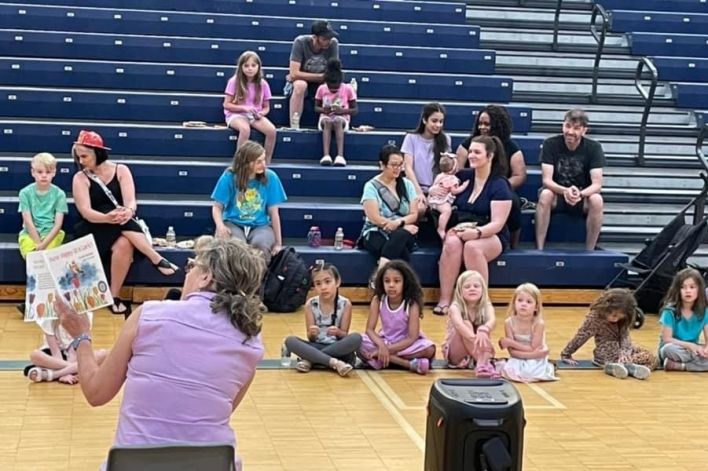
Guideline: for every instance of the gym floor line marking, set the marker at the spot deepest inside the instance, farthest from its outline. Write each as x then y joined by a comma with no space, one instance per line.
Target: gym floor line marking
395,413
544,394
395,399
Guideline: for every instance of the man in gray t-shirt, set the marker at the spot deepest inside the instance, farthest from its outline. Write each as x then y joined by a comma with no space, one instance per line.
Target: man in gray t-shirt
308,60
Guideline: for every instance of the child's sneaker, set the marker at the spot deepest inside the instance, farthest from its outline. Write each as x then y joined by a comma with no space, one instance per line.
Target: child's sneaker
340,161
420,365
303,366
617,370
670,365
638,371
326,160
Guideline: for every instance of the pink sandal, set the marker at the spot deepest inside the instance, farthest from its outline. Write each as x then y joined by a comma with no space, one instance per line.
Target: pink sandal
485,371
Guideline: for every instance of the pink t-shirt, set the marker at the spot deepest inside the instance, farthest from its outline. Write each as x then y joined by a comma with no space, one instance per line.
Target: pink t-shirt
446,182
250,95
342,97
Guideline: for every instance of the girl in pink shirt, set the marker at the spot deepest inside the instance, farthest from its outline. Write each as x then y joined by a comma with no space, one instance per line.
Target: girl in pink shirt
247,102
336,103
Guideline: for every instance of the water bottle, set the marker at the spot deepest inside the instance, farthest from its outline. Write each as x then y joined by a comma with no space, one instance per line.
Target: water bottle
339,239
295,121
171,237
314,237
284,357
353,83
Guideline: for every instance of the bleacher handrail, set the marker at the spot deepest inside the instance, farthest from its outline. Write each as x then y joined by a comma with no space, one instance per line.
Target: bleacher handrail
699,146
648,96
600,38
556,22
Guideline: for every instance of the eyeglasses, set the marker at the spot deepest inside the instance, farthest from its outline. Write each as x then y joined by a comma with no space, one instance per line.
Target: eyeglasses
396,165
191,263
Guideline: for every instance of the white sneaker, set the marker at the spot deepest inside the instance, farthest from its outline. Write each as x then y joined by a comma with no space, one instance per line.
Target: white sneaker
326,160
617,370
340,161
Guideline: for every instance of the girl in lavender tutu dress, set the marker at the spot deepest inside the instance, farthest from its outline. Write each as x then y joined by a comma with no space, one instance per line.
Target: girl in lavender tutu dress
398,302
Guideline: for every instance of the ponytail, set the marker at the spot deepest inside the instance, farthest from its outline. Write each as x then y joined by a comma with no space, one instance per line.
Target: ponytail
244,311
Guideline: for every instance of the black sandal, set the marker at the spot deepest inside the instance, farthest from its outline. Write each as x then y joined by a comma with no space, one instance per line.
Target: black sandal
164,263
115,307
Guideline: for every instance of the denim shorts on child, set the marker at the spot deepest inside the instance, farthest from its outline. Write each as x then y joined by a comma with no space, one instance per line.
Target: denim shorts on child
27,245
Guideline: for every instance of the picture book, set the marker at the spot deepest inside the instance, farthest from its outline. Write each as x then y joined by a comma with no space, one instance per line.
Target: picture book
73,270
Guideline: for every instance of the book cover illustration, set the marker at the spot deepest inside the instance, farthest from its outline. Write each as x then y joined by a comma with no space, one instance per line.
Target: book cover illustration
73,270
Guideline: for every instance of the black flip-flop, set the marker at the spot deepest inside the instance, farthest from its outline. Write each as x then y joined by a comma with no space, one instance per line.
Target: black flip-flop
116,305
164,263
440,310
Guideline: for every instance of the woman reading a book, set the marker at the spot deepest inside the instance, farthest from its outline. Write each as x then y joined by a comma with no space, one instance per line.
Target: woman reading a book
211,338
104,194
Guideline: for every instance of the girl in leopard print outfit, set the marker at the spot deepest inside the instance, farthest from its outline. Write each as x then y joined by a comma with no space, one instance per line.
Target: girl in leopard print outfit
609,320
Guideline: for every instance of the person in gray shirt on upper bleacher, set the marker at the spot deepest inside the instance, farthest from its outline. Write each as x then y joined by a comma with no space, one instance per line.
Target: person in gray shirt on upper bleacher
571,167
308,61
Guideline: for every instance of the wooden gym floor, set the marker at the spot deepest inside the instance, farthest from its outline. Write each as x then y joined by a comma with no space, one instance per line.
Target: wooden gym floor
373,421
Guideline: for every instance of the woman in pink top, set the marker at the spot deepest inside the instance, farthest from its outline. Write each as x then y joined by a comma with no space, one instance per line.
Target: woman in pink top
186,364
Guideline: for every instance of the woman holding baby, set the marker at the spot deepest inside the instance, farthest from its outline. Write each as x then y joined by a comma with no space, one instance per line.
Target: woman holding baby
477,231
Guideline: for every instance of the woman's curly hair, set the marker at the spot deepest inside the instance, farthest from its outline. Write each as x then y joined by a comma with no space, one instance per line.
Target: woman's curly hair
237,270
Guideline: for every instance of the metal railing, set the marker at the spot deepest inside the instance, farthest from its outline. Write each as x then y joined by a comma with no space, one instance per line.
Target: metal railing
556,21
600,38
702,135
648,96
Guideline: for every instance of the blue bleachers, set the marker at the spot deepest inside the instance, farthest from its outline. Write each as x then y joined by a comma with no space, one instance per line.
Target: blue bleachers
561,268
667,44
224,26
226,51
624,21
689,95
171,141
136,76
190,178
379,10
682,69
177,68
192,218
83,105
694,6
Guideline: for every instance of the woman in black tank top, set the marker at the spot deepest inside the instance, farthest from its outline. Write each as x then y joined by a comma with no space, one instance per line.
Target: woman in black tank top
104,195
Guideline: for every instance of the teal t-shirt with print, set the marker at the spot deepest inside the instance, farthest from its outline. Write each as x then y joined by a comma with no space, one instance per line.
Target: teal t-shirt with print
250,207
42,206
687,330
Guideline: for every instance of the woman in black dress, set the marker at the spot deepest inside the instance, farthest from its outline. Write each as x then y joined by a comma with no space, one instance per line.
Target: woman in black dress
116,233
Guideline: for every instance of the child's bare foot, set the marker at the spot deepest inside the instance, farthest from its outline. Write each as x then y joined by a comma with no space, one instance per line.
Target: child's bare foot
69,379
441,234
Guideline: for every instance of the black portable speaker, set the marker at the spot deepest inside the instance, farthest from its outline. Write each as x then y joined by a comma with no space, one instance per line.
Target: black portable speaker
474,425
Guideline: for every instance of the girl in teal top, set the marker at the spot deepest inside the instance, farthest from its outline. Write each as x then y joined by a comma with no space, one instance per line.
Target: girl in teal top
682,321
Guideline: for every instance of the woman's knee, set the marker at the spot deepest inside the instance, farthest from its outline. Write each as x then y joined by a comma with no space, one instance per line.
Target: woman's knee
122,247
452,246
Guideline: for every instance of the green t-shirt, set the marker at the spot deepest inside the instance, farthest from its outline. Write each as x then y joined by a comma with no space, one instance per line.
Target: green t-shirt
42,206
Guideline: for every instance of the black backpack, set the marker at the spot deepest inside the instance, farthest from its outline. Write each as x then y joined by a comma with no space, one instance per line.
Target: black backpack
286,282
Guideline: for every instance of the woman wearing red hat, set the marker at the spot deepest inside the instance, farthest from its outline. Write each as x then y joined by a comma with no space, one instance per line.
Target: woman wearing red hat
104,194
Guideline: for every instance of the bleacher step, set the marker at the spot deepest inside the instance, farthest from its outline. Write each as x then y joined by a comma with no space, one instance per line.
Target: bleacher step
526,18
503,39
